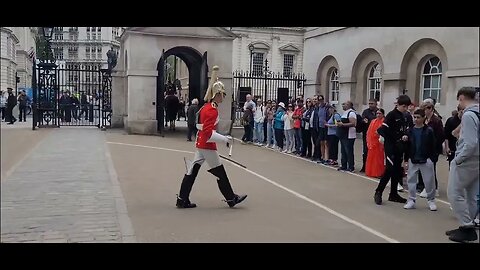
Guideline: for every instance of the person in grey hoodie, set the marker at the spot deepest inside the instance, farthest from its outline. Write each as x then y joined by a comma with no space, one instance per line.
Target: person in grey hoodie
463,183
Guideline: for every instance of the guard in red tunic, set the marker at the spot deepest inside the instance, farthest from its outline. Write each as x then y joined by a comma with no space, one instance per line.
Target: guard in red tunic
206,147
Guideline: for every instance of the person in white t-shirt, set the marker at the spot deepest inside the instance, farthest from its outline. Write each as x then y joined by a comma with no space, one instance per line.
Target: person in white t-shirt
289,131
347,134
258,118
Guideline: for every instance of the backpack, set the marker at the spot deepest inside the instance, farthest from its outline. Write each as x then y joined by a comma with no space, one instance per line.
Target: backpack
360,126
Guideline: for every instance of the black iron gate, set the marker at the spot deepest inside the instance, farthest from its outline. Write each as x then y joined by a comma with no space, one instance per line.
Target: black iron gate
267,86
71,95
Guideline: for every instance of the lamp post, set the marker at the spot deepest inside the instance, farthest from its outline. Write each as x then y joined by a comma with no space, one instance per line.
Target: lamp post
251,48
47,34
45,92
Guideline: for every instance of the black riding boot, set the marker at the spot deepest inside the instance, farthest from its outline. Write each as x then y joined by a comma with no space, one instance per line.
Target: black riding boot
183,200
224,185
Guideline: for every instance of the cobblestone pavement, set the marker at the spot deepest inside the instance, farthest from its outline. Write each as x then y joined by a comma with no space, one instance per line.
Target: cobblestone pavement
65,191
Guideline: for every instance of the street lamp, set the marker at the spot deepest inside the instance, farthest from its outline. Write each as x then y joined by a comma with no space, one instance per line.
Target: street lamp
47,33
251,48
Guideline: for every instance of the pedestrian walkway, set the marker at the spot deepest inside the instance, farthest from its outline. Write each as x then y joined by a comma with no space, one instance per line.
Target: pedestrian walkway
65,191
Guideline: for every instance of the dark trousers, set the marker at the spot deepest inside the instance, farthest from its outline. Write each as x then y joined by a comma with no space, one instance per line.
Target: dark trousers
252,126
9,116
84,111
306,143
247,135
265,132
347,154
3,111
316,143
332,141
75,112
421,185
298,140
192,130
22,111
279,137
365,149
393,172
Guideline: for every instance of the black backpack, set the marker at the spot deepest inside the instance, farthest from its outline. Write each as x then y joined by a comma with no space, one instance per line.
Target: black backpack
360,126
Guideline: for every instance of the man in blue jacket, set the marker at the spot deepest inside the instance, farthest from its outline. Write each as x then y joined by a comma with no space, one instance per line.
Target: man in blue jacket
421,154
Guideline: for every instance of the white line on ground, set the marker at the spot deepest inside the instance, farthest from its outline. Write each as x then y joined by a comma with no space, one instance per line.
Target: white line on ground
329,210
333,168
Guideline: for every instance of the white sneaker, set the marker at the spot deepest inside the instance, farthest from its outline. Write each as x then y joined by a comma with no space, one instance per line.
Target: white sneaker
284,151
289,152
432,205
423,194
437,194
410,204
399,187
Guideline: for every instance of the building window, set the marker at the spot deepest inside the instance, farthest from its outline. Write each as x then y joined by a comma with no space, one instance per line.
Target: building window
99,51
257,64
87,52
432,79
375,82
9,48
334,86
288,65
94,36
88,29
73,52
58,53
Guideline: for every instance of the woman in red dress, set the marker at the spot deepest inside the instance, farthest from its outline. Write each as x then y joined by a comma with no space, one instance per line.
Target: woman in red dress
375,166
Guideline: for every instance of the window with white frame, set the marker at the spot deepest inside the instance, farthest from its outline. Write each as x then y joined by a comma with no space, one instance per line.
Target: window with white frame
87,52
99,51
375,82
288,64
432,79
99,33
94,36
58,52
334,86
257,63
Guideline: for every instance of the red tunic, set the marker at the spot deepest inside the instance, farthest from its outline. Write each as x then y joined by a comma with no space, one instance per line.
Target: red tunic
208,120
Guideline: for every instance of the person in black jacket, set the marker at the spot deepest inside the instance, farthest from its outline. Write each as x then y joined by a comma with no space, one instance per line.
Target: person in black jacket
421,154
451,141
11,103
394,132
191,114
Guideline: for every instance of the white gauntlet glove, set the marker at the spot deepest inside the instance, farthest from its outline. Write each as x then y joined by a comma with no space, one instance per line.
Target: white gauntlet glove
219,138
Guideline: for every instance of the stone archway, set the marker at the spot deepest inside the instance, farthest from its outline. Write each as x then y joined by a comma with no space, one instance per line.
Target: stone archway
413,62
325,69
198,77
365,60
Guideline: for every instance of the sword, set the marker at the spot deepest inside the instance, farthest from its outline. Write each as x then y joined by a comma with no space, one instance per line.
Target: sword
233,161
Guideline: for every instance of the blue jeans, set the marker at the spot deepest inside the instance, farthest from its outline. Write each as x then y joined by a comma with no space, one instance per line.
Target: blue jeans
298,140
347,154
258,132
271,134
